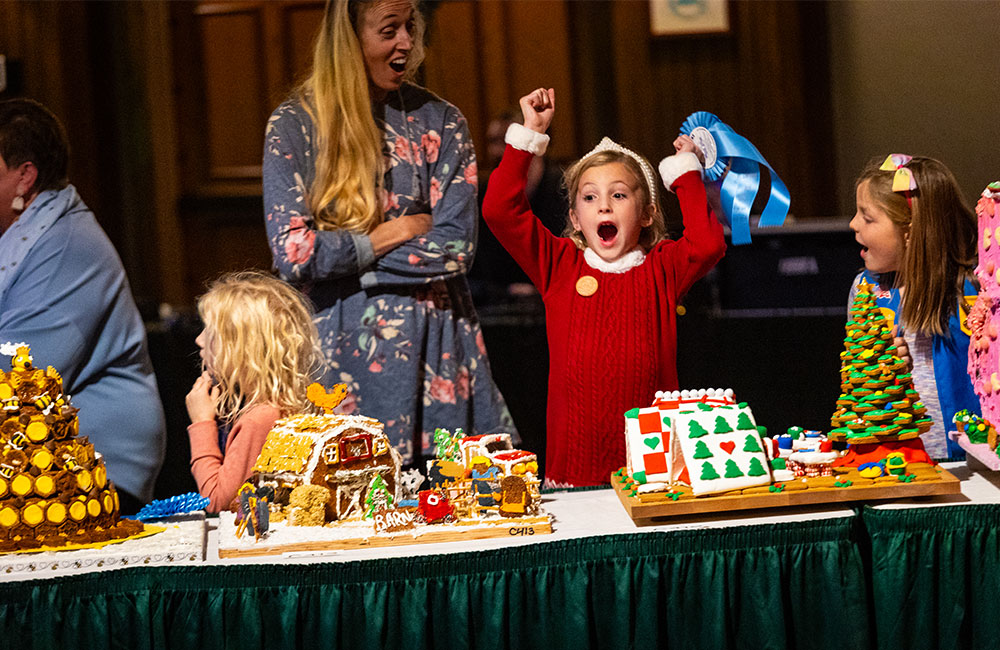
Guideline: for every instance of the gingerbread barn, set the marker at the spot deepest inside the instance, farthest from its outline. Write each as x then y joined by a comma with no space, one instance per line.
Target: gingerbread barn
342,453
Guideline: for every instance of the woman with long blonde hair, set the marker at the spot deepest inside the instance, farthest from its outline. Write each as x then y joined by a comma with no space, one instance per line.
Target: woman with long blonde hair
259,350
370,207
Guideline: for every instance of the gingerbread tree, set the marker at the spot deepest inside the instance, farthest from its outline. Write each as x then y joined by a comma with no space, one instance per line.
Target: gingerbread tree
878,410
446,445
377,496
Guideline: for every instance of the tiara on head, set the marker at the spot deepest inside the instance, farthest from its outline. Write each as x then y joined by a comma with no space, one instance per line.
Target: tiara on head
607,144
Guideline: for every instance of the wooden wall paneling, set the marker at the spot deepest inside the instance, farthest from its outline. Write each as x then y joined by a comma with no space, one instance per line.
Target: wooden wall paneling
483,56
80,81
639,118
122,100
172,255
754,79
301,24
591,42
236,93
493,48
274,54
452,66
774,81
85,61
223,234
189,96
539,56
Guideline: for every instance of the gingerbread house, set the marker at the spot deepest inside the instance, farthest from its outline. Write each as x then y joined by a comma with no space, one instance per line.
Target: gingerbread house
342,453
499,448
702,438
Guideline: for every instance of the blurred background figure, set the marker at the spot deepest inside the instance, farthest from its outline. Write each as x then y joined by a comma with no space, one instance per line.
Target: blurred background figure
495,277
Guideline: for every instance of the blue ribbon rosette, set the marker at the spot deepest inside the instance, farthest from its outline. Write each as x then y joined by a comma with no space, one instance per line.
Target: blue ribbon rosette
725,149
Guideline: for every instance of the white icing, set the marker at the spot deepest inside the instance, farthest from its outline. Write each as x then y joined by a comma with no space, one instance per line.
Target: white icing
657,486
9,349
813,457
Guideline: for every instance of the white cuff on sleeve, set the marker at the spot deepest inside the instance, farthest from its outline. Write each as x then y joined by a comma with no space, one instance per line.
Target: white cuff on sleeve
523,138
675,166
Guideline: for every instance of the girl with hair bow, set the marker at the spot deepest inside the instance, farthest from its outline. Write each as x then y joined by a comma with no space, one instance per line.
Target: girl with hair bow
918,239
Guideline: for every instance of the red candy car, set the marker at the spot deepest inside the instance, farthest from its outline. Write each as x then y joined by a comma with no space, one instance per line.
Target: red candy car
434,507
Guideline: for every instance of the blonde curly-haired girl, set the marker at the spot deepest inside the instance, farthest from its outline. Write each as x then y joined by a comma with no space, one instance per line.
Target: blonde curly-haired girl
259,350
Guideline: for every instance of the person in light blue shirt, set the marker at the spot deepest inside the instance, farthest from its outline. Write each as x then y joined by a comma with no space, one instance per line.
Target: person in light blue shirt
64,293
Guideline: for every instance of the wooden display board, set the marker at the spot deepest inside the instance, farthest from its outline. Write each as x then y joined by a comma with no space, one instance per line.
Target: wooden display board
459,531
928,480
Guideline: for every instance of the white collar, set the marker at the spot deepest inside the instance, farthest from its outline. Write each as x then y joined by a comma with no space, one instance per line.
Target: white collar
628,261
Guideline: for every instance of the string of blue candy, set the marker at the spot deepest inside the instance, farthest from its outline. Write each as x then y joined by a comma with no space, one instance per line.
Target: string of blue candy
176,505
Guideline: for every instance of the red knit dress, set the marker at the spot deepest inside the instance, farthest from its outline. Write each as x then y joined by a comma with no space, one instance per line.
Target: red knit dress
612,350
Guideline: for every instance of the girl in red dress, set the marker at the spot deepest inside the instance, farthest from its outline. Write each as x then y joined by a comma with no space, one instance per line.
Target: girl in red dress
610,287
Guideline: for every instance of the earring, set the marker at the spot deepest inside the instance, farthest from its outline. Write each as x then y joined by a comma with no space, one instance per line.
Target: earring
17,204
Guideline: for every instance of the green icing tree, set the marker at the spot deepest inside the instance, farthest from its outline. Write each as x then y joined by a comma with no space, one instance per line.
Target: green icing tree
743,422
708,472
378,497
446,445
695,430
751,444
872,375
721,426
701,450
756,468
732,469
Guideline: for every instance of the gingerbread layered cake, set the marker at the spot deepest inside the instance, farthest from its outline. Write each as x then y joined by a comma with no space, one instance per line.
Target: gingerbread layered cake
54,488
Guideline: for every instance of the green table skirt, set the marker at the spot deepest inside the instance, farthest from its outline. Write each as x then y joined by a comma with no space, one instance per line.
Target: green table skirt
935,576
788,585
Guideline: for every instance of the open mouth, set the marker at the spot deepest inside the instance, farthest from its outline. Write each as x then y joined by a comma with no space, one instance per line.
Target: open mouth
607,231
399,65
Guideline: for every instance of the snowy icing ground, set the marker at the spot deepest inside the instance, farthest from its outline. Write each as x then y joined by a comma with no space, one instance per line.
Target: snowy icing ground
182,541
361,534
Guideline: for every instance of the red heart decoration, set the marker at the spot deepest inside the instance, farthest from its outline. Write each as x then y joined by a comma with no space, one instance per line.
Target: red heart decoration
727,446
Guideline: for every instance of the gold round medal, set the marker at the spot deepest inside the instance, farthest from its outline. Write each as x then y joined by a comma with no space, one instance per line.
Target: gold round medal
586,285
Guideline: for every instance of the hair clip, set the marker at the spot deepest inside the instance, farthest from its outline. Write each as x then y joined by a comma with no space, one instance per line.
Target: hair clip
903,179
607,144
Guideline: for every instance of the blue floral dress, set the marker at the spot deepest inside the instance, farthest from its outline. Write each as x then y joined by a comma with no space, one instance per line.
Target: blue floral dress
400,329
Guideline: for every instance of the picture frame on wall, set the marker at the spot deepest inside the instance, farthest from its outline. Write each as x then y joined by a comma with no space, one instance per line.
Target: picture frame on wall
688,17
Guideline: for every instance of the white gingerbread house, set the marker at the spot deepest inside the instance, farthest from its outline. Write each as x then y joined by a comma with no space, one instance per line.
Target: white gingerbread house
701,438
